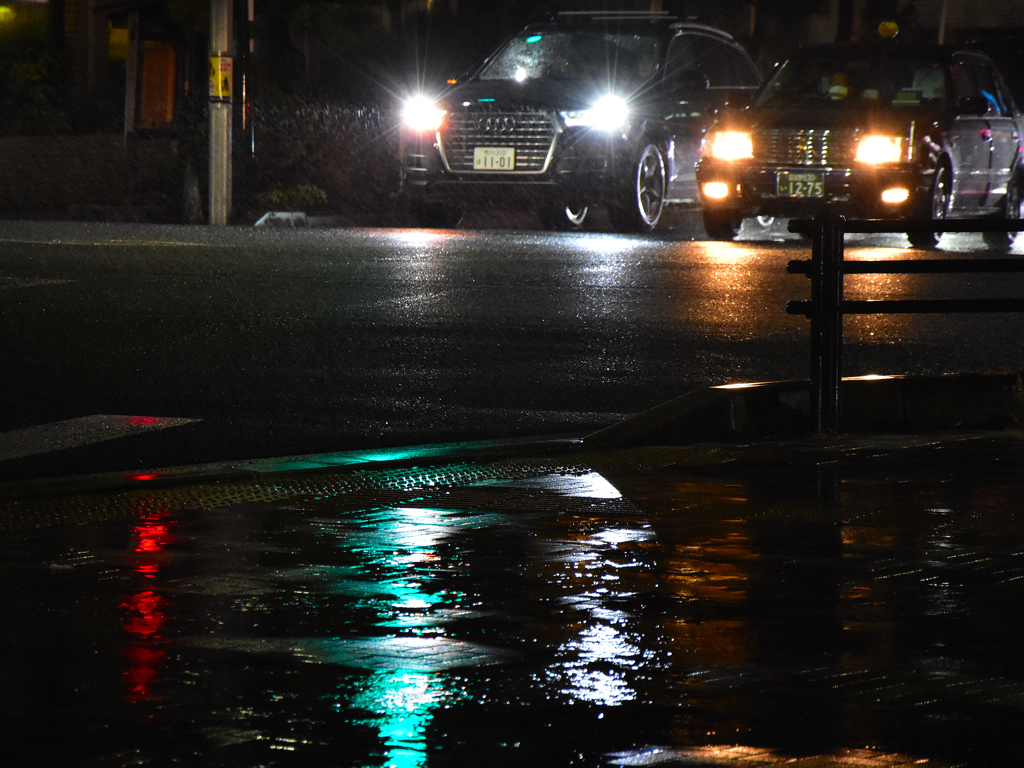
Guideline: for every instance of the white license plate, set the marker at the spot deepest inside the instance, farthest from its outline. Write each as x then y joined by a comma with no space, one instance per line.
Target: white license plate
494,158
801,184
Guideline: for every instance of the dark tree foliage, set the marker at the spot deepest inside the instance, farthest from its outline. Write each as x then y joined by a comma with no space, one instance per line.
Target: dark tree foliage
30,75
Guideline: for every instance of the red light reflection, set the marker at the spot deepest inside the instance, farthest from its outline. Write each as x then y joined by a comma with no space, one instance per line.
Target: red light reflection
145,611
152,535
142,673
145,614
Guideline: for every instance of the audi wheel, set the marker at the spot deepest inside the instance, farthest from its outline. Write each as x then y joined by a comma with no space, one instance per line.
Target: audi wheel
643,197
567,217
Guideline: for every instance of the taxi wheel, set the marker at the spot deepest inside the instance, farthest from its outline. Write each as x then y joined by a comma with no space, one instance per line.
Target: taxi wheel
568,218
938,204
721,225
1011,214
643,198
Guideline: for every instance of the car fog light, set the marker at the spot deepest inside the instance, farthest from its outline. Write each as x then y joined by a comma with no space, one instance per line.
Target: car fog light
715,190
895,195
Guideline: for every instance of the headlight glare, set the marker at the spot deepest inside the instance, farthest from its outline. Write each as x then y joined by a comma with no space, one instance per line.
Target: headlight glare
731,145
609,113
422,114
875,149
715,190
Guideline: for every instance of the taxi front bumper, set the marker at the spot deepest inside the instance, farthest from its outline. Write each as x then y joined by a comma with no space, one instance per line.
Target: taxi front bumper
794,192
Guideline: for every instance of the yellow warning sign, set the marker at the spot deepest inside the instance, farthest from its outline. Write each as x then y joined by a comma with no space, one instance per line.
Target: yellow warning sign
221,70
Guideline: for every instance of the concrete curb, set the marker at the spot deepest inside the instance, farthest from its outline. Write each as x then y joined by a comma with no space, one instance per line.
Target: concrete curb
870,404
766,412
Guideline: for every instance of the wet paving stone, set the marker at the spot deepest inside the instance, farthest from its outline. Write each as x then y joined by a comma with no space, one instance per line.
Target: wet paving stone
854,603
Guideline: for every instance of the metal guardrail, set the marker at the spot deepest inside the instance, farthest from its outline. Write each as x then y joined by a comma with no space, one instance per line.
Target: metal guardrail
826,269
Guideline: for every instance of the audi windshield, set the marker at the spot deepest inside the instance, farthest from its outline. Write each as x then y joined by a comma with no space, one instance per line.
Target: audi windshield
622,58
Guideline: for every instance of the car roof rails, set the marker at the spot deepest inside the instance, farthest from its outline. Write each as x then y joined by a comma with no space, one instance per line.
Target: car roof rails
703,28
615,16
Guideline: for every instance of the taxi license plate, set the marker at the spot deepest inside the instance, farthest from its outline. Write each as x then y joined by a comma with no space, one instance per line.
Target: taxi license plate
801,184
494,158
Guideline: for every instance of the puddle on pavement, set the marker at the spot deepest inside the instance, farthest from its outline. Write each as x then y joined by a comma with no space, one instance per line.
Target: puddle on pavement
669,617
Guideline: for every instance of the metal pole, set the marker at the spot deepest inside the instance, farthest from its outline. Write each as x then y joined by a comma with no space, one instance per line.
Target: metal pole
132,74
221,77
827,323
943,16
832,315
248,82
817,393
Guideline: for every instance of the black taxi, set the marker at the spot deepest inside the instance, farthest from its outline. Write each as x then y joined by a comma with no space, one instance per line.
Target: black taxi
590,108
869,131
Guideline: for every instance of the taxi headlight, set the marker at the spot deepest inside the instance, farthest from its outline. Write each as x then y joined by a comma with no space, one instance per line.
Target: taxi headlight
876,149
422,115
609,113
730,145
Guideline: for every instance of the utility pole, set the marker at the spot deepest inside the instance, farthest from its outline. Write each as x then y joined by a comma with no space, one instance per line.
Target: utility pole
221,76
248,129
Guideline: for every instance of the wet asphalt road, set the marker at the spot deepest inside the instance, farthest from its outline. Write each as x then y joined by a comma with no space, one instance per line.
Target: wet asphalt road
854,604
280,342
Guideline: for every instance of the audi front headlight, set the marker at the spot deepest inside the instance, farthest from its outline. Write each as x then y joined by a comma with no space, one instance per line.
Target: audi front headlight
729,145
609,113
422,114
876,149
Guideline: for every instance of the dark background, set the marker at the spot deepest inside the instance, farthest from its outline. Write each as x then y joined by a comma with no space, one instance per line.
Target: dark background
315,104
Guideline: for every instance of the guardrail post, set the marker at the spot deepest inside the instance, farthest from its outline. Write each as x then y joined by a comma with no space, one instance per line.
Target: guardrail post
826,307
826,321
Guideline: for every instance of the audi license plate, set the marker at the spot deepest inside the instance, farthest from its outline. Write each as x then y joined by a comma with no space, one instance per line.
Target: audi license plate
494,158
801,184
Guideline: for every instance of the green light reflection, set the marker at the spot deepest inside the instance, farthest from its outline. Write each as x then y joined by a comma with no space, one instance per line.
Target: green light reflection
404,702
397,578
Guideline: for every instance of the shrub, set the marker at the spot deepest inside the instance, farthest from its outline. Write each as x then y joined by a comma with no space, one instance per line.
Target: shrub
321,157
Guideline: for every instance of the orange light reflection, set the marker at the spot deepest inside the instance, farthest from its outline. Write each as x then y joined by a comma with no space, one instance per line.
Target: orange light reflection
730,276
887,329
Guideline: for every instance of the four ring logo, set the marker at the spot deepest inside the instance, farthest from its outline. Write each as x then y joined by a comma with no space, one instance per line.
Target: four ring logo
496,124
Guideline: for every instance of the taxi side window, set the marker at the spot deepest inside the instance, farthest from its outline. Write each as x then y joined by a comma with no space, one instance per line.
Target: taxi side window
976,89
964,85
990,90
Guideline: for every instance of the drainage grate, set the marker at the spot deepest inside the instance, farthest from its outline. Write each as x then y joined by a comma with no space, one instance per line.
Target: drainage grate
443,484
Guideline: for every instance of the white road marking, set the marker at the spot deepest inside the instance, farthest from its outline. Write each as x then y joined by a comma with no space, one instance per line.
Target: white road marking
86,430
31,282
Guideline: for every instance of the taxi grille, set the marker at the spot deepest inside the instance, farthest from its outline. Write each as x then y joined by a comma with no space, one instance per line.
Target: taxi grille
814,147
531,134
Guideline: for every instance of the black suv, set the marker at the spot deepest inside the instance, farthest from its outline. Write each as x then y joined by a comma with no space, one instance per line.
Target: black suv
590,108
869,131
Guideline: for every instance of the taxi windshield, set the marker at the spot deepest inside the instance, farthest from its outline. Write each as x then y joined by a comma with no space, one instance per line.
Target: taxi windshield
621,58
867,80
